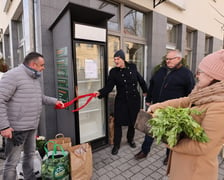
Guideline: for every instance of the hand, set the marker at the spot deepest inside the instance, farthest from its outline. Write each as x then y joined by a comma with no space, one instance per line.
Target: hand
167,146
144,94
97,93
7,133
149,111
60,104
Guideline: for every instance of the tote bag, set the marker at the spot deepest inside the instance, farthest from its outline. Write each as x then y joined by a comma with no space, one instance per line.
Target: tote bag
55,163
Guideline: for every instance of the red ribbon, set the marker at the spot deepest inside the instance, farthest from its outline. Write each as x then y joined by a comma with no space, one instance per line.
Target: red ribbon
91,96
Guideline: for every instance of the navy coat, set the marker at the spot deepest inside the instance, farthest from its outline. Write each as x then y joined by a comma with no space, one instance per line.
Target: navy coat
179,82
127,99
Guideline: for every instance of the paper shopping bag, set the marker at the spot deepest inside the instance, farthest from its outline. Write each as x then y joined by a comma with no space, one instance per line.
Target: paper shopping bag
81,163
111,129
65,142
141,122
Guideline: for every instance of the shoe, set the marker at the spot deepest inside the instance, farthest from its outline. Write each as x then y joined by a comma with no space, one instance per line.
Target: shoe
115,150
165,161
132,144
140,155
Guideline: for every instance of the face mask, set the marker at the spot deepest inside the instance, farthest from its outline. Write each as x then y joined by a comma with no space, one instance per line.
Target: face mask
35,74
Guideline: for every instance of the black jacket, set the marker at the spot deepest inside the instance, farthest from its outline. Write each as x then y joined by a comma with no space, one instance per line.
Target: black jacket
165,85
127,100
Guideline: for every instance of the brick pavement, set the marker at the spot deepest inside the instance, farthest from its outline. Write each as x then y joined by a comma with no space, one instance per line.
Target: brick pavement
124,167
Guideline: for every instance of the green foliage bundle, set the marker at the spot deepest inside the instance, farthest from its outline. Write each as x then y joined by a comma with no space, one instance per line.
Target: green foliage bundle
170,123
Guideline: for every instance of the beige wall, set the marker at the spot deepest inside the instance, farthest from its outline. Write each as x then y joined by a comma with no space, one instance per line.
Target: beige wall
198,14
5,17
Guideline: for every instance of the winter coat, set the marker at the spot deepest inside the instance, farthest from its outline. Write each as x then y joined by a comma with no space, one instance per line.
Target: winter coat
21,99
170,84
1,74
127,100
192,160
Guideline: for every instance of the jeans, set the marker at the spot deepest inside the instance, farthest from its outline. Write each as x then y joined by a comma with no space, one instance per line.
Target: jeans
13,153
146,146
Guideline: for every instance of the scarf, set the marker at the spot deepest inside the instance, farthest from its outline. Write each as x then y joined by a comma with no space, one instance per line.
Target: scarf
212,93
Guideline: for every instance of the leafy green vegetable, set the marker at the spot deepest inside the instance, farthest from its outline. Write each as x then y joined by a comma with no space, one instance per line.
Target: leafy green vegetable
169,124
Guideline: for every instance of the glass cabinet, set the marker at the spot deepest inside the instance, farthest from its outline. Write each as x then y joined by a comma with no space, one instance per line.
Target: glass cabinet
90,78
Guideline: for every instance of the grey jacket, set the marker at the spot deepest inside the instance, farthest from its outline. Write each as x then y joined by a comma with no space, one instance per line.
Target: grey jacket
21,99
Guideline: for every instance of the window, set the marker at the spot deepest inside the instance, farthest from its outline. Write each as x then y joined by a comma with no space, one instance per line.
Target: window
127,32
20,49
133,22
113,46
189,46
113,23
171,35
20,29
135,54
208,45
20,54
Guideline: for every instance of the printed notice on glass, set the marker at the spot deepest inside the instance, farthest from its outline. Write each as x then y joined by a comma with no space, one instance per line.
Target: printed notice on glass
90,69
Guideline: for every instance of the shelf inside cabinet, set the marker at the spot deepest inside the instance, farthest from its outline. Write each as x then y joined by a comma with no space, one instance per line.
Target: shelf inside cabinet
88,111
86,81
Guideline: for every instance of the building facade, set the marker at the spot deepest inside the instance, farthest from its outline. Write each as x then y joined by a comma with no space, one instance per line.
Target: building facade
144,29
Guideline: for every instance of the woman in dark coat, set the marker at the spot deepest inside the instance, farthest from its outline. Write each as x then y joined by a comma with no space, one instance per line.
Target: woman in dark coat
127,101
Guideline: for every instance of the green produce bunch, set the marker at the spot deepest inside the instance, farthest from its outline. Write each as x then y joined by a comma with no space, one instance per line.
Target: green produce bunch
170,124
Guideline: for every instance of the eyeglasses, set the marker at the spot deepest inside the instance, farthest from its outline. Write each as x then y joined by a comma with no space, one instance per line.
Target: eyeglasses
171,58
199,72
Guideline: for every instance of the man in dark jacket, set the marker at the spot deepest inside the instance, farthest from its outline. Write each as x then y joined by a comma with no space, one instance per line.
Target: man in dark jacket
171,81
127,101
21,100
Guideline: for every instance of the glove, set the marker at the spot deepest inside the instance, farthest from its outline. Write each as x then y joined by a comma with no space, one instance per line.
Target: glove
18,137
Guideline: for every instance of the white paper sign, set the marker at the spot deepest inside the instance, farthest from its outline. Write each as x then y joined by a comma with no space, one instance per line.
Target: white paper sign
90,69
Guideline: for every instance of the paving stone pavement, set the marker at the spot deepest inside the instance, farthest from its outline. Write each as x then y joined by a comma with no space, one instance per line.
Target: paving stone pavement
124,167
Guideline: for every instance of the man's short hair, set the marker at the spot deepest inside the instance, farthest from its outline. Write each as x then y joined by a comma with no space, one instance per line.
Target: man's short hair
178,52
32,56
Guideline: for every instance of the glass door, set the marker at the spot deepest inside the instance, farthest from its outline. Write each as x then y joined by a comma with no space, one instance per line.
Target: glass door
90,78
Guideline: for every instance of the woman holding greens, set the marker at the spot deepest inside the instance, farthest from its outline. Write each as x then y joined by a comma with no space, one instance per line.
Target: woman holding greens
190,159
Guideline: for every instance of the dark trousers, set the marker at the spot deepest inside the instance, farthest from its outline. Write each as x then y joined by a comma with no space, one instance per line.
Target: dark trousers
118,134
146,146
167,152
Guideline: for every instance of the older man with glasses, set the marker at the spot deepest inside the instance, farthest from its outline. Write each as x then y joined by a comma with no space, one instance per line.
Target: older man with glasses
171,81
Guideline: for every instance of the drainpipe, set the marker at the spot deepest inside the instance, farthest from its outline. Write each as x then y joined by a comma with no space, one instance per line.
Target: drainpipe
37,29
38,48
28,13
